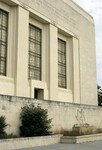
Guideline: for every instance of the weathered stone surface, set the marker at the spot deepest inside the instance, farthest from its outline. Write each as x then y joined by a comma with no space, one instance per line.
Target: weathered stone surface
81,139
63,114
18,143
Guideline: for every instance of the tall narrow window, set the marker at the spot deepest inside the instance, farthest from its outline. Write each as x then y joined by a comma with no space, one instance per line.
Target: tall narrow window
3,41
61,63
34,65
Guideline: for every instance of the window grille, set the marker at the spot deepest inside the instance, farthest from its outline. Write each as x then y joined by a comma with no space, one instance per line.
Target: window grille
35,41
61,63
3,41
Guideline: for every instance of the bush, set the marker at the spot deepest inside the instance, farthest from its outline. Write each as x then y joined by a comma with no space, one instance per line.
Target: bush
34,121
2,126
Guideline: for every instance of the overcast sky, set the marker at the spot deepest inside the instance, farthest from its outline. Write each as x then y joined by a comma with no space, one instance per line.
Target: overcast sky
94,7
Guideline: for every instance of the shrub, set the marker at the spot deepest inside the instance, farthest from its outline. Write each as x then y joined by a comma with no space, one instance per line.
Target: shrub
34,121
2,126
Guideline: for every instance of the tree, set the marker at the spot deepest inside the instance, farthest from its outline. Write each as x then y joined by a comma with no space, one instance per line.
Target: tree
99,93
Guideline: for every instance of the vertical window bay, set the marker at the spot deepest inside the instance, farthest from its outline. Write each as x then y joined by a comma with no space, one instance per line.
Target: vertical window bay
61,63
35,41
3,41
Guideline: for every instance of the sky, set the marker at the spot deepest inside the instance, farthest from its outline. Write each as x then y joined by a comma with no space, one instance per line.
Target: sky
94,7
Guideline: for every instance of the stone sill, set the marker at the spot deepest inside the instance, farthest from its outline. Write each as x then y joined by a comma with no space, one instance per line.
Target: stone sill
81,139
19,143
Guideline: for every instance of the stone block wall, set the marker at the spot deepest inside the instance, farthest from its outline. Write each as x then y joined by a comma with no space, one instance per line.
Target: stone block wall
64,115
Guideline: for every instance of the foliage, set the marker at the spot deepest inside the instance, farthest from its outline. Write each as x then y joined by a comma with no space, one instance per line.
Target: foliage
34,121
2,126
99,93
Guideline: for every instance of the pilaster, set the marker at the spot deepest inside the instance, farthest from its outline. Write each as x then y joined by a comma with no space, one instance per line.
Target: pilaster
21,69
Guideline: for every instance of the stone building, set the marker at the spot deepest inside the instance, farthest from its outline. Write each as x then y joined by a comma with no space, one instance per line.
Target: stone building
47,52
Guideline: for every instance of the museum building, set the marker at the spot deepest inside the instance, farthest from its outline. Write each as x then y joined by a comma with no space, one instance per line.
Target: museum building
47,51
48,57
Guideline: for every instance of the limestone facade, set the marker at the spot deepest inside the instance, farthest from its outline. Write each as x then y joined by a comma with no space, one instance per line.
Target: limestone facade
54,19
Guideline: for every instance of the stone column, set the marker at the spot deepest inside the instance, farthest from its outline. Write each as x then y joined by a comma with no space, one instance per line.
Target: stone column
53,63
21,70
76,71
